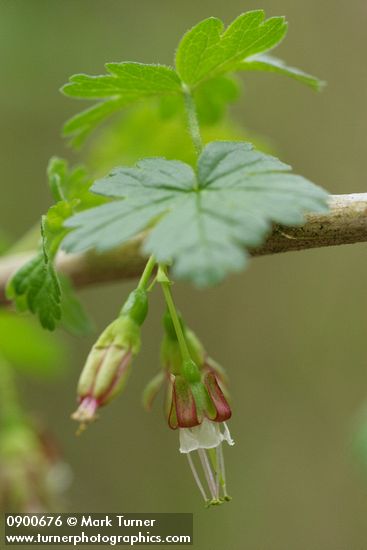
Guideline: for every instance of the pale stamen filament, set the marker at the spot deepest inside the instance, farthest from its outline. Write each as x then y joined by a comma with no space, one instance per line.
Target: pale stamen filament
218,469
196,477
208,473
222,469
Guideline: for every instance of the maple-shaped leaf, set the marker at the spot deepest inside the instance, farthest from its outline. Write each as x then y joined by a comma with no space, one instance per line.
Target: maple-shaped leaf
205,57
203,223
208,50
125,84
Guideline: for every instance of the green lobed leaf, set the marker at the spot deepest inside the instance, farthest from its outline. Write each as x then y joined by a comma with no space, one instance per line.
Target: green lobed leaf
269,63
78,127
36,286
126,83
213,97
152,186
205,56
205,223
52,228
70,185
207,50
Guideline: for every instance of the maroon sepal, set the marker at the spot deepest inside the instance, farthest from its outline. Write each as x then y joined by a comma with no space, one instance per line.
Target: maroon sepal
219,401
170,404
183,408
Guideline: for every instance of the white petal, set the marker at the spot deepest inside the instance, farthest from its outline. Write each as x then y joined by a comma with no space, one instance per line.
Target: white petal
205,436
188,441
226,436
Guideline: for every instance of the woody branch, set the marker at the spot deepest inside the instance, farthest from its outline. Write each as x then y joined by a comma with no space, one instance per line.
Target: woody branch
346,223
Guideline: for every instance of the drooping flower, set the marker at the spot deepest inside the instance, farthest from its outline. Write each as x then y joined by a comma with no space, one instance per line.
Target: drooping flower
200,412
196,405
109,362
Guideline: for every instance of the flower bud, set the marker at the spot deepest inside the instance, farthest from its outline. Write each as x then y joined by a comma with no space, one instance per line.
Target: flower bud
109,363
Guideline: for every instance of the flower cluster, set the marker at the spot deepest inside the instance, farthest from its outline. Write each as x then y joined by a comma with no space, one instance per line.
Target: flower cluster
196,390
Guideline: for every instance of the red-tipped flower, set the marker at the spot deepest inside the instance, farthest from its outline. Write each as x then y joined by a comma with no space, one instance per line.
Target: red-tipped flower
109,363
192,402
197,405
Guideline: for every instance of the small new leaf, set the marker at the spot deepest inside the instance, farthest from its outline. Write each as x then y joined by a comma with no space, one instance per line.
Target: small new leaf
70,184
52,227
36,286
207,50
213,97
126,83
204,223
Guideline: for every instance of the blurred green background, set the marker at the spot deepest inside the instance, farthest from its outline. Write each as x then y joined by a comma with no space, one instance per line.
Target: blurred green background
291,331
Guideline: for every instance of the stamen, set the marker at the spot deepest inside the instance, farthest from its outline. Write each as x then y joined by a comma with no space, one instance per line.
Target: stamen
86,412
222,471
213,456
208,473
218,470
196,477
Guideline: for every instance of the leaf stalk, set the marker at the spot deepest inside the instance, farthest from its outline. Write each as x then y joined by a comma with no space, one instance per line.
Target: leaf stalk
147,273
192,119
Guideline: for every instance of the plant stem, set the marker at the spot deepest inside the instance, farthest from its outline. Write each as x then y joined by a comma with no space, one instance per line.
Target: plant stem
151,286
166,287
345,224
192,119
145,277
